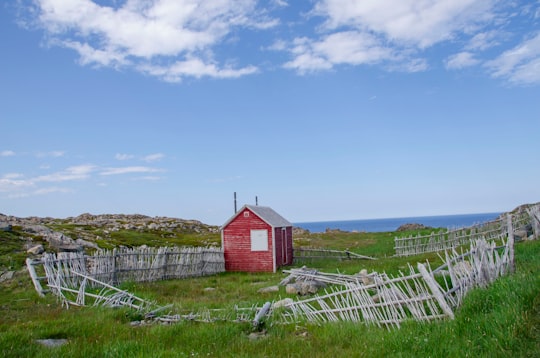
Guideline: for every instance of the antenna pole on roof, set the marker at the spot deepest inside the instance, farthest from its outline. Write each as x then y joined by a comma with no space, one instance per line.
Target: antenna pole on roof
235,202
256,201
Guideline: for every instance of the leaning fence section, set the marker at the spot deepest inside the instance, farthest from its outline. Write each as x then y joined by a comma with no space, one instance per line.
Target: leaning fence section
422,294
524,220
127,264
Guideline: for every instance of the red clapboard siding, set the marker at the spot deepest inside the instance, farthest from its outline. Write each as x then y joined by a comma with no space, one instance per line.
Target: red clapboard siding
236,241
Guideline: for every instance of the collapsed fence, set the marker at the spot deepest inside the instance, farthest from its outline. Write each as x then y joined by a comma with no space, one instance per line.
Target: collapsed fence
307,254
422,295
141,264
525,221
377,298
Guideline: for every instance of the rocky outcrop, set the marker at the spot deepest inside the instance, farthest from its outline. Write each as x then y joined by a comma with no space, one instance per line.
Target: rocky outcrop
412,226
111,222
80,232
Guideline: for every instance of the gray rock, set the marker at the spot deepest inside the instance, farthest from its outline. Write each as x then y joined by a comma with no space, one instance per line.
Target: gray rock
365,278
85,243
5,276
269,289
253,336
36,250
303,288
292,289
282,303
37,229
52,343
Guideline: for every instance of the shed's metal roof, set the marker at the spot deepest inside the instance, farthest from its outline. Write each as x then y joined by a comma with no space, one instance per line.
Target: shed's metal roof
269,215
266,213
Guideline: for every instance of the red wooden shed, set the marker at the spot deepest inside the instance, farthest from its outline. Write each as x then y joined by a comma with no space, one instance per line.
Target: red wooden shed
256,239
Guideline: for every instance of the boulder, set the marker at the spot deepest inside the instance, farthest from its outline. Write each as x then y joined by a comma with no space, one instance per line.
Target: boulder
282,303
36,250
85,243
37,229
365,278
292,289
304,288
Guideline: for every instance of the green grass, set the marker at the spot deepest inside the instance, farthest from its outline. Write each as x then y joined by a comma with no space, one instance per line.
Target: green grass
499,321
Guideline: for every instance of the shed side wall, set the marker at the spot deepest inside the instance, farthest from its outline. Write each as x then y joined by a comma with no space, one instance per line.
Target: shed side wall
237,245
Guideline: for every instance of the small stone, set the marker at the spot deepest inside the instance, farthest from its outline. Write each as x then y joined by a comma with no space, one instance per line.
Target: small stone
52,343
292,289
257,335
269,289
283,303
5,276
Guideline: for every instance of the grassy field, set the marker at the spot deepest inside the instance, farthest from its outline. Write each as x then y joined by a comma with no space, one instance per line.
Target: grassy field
499,321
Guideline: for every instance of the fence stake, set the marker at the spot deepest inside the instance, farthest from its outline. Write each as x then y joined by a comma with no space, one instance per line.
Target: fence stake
510,241
34,277
260,315
434,287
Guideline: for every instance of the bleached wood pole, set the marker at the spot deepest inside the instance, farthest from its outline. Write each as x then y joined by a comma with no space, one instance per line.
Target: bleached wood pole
510,242
434,287
34,277
260,315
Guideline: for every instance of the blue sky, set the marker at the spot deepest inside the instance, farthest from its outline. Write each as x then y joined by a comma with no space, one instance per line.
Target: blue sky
324,109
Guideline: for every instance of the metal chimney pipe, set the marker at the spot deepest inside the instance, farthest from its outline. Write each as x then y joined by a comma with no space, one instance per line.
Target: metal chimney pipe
235,202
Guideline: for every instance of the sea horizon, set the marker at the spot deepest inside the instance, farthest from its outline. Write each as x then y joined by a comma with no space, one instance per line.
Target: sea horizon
453,221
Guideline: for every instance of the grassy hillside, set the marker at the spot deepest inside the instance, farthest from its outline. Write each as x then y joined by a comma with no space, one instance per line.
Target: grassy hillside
502,320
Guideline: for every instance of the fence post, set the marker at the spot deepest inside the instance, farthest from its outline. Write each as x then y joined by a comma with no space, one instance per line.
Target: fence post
114,278
34,277
165,263
510,243
434,287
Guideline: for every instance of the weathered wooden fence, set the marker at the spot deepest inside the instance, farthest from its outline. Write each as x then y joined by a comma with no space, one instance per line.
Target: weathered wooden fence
421,295
307,254
128,264
492,230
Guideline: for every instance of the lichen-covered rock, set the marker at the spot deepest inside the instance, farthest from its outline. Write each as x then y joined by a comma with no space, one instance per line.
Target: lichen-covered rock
36,250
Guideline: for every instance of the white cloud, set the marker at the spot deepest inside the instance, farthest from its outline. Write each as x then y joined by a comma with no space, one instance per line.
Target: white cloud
149,178
483,40
18,186
128,170
53,154
410,65
120,156
280,3
194,67
519,65
78,172
419,23
14,182
153,157
50,190
391,32
170,39
461,60
7,153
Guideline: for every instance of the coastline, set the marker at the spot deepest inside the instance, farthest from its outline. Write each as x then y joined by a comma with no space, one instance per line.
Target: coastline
391,224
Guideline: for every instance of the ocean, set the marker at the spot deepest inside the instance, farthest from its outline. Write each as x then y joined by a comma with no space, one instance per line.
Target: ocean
391,224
